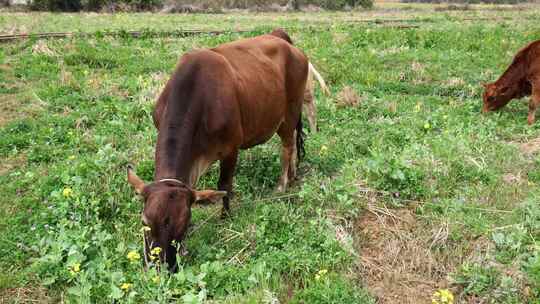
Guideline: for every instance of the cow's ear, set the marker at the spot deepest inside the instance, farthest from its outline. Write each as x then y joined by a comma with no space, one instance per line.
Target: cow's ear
208,195
134,180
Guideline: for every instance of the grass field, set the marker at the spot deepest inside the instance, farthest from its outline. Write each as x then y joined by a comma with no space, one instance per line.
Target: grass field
404,195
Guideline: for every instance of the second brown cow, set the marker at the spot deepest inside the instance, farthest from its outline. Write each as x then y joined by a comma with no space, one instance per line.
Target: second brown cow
521,78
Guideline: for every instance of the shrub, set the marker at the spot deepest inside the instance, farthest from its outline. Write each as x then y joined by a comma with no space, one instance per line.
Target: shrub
205,5
216,5
340,4
92,5
467,1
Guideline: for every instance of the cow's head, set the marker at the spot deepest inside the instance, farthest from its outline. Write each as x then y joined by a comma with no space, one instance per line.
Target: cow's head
495,97
167,214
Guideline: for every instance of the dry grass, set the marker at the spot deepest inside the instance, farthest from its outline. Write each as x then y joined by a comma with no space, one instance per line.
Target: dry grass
454,82
405,259
13,106
6,165
25,294
511,178
41,47
531,147
396,260
347,97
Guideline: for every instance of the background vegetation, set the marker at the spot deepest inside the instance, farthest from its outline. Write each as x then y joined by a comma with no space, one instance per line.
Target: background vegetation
191,6
469,1
406,190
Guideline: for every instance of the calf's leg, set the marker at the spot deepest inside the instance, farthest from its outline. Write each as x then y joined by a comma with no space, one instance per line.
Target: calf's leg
534,102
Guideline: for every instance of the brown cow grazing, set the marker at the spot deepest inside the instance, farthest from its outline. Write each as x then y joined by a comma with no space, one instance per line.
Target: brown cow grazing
521,78
218,101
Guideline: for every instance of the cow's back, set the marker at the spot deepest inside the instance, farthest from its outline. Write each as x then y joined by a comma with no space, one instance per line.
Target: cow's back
270,76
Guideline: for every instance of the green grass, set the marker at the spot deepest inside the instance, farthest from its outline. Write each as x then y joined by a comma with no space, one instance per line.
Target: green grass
417,135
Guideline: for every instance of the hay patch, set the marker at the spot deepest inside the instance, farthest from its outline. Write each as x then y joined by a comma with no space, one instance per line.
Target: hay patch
348,97
454,82
511,178
396,257
6,165
531,147
41,48
25,294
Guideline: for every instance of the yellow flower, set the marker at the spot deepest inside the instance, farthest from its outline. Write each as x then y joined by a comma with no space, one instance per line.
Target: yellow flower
67,192
156,251
71,157
443,296
321,274
74,269
133,256
324,150
126,286
427,125
155,279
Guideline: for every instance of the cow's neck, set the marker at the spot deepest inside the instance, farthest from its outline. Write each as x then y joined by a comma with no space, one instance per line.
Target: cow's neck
173,156
513,79
176,147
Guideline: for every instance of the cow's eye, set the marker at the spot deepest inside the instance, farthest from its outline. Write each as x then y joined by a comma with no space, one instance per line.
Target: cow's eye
491,98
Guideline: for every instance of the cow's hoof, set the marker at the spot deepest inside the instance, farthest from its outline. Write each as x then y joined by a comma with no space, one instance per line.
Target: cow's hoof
280,189
225,213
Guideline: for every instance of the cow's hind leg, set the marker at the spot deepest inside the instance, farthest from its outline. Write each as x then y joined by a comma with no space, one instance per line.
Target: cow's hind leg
294,160
534,102
226,174
287,156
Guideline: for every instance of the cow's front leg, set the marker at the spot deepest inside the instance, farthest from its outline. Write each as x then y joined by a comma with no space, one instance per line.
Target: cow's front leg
226,175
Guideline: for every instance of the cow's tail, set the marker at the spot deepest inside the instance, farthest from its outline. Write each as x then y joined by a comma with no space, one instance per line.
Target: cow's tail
319,78
300,139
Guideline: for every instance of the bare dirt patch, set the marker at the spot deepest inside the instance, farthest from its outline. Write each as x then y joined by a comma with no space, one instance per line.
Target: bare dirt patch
396,260
6,165
511,178
530,147
25,294
13,106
